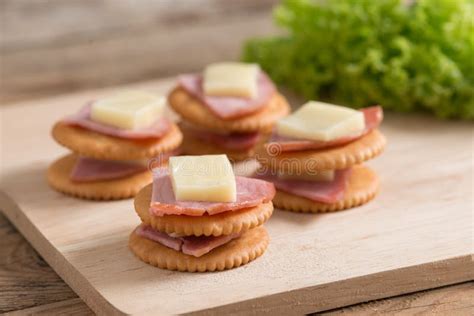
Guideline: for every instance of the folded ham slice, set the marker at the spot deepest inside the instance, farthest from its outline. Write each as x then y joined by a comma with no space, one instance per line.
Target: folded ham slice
250,193
162,238
198,246
89,169
82,119
318,191
233,141
228,108
190,245
373,117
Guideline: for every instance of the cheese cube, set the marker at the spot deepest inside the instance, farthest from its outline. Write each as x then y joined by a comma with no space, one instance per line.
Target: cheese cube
128,109
231,79
322,122
207,178
324,175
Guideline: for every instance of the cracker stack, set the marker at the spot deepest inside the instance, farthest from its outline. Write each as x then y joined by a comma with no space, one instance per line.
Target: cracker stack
214,132
301,158
168,239
114,164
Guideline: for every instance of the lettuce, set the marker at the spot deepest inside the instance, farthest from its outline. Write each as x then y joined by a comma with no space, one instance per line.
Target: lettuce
405,55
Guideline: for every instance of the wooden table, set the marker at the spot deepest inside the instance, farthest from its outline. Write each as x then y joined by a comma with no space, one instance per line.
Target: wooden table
29,286
42,45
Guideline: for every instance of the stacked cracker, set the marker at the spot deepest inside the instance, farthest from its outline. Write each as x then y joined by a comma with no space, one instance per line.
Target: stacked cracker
315,158
112,140
227,109
197,216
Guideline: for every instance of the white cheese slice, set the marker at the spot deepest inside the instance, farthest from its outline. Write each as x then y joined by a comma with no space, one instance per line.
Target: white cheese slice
231,79
207,178
322,122
128,109
325,175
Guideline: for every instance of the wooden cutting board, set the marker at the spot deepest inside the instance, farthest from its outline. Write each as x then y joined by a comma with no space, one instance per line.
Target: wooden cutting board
416,235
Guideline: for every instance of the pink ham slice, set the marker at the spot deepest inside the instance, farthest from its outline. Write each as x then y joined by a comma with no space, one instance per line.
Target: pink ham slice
89,169
318,191
162,238
250,193
190,245
82,119
234,141
198,246
373,117
228,108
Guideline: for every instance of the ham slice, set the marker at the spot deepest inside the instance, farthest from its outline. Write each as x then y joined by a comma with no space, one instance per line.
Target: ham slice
198,246
89,169
373,117
318,191
190,245
250,193
159,237
228,108
82,119
233,141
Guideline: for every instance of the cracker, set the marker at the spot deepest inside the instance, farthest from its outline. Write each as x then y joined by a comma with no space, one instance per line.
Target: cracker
194,146
194,111
220,224
342,157
115,189
362,187
237,252
95,145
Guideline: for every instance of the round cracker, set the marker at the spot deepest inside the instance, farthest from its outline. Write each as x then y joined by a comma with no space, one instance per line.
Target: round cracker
59,179
193,110
95,145
220,224
342,157
362,187
251,245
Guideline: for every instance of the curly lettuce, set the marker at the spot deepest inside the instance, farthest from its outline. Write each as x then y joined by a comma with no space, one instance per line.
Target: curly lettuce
405,55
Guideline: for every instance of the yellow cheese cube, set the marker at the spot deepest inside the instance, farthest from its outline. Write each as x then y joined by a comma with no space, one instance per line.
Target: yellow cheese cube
207,178
128,109
322,122
325,175
231,79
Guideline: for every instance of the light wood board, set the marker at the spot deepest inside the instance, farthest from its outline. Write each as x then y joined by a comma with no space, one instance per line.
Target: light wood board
417,234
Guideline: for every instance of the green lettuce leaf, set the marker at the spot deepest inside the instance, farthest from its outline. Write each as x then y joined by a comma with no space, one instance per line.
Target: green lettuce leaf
403,55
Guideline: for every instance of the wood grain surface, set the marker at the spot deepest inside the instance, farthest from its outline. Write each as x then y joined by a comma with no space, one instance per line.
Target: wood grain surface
452,300
415,235
25,278
26,293
55,46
